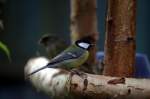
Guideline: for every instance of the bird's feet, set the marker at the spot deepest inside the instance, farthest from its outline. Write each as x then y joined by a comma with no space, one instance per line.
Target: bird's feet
79,73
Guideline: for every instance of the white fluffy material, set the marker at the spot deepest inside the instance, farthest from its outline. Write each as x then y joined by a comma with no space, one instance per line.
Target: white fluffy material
45,79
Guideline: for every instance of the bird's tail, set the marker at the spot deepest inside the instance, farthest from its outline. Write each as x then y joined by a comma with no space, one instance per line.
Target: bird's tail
37,70
51,65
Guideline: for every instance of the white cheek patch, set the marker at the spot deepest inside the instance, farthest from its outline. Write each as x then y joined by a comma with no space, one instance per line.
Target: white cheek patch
84,45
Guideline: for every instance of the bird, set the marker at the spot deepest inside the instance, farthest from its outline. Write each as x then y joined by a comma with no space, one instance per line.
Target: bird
52,44
74,56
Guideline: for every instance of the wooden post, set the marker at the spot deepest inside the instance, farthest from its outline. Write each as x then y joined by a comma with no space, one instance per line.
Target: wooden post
120,38
83,23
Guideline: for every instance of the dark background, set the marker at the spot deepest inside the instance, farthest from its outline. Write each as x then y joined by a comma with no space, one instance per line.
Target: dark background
26,21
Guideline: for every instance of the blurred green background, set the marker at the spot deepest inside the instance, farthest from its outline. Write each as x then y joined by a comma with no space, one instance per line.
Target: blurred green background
25,21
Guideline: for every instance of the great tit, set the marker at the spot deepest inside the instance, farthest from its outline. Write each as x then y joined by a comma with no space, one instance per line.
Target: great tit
72,57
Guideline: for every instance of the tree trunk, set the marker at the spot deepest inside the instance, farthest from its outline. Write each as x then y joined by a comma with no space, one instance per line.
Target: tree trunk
84,23
120,38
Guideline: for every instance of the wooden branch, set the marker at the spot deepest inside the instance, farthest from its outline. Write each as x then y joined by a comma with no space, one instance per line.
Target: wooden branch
59,83
120,38
83,23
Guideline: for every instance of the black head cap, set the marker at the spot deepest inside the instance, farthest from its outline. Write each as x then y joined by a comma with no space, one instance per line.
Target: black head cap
85,42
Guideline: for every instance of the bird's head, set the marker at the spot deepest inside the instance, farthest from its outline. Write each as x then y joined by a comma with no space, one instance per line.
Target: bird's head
85,42
49,39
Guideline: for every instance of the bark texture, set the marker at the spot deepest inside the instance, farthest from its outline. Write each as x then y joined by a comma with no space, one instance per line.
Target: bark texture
120,38
84,23
105,87
62,84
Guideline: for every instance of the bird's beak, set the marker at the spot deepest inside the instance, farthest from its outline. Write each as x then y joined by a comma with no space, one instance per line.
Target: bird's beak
93,44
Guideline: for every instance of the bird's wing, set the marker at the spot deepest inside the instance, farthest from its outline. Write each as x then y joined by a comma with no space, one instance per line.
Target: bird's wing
67,55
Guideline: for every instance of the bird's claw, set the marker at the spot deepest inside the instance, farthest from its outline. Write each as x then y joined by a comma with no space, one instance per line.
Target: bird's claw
79,73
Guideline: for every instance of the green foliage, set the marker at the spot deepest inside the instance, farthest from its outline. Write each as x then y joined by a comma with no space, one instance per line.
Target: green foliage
4,48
